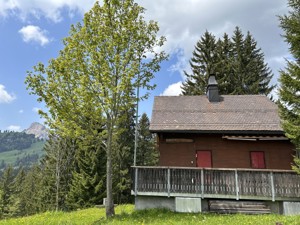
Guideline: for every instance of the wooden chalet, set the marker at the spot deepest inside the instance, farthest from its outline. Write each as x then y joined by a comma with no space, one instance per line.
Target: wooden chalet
219,153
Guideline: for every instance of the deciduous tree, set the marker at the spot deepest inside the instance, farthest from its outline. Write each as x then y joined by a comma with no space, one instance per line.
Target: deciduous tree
88,86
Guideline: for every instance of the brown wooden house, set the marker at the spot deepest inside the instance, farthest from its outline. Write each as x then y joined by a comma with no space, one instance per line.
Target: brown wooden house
217,147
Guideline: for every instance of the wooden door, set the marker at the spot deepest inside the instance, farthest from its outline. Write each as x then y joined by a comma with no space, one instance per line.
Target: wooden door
204,159
258,160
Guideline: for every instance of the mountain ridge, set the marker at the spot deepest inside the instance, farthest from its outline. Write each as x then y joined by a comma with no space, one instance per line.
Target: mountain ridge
39,131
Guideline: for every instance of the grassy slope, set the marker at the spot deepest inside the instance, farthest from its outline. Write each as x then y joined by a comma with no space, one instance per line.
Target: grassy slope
10,157
126,215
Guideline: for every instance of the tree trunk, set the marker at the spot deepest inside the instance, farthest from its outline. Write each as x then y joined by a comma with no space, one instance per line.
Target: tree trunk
109,205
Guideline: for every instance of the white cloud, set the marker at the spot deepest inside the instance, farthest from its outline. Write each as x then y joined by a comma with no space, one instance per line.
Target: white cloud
32,33
50,9
5,97
14,128
184,22
173,89
21,111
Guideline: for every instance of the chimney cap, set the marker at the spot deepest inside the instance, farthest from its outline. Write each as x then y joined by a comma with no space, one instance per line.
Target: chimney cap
212,80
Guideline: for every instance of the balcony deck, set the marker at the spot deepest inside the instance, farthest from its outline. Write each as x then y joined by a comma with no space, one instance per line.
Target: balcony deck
217,183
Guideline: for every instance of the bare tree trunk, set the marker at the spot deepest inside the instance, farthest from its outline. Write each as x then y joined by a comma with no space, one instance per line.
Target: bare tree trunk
109,206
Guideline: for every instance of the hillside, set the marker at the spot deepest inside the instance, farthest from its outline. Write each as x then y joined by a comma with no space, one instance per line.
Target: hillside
22,148
24,157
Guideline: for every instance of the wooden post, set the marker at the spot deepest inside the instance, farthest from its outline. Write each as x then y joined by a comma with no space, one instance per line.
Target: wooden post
237,185
272,186
202,183
169,183
135,181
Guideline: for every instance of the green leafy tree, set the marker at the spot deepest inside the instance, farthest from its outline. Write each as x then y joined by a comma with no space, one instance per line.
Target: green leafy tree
237,62
89,84
147,154
289,91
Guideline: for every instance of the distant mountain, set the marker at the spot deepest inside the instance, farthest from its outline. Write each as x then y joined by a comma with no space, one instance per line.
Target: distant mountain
38,130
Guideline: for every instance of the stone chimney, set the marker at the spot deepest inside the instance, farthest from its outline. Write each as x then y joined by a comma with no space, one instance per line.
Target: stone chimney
212,90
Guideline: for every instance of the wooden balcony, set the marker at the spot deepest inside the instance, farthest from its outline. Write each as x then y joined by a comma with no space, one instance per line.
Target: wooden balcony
274,185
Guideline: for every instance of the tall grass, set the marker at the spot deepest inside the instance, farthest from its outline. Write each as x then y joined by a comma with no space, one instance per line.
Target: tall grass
125,215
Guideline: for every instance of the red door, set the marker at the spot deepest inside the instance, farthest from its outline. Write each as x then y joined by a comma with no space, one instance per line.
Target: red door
204,159
258,160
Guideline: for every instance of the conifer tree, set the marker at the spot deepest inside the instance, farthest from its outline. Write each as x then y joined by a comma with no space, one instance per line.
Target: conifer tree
17,186
203,63
123,157
147,154
237,62
32,190
6,187
289,91
87,187
56,168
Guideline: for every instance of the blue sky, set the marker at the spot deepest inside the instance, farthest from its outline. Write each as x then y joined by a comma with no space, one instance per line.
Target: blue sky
31,31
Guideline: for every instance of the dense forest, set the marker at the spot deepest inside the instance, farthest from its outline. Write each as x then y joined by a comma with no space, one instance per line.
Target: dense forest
71,175
10,140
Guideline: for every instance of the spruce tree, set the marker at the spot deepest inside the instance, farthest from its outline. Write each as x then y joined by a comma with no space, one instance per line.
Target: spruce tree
6,187
237,62
87,187
56,168
147,154
123,157
289,91
203,63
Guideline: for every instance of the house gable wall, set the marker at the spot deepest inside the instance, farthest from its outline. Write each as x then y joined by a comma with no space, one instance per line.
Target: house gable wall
225,153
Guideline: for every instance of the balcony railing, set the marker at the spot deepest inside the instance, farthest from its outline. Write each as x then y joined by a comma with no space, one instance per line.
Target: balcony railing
216,183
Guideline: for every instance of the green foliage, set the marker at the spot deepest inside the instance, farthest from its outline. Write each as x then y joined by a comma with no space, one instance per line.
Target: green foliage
147,154
56,168
123,150
127,215
6,187
87,187
289,91
237,62
89,85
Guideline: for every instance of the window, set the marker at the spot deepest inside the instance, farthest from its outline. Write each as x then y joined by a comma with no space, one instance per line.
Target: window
258,160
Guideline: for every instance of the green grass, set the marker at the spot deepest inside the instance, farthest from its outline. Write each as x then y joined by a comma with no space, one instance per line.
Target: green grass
125,215
10,157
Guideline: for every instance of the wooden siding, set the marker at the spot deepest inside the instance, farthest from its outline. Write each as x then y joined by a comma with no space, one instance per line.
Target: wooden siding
216,183
225,153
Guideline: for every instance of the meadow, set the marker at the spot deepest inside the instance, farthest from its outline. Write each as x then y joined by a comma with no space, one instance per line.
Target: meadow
126,215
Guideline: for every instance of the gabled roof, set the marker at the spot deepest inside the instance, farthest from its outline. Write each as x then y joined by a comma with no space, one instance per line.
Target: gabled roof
234,113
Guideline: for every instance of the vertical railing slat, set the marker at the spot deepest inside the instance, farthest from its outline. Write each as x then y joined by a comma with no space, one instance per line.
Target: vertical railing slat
237,185
135,181
272,186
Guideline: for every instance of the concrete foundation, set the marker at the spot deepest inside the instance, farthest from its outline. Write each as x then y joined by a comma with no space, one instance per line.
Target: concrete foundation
291,208
195,205
188,205
153,202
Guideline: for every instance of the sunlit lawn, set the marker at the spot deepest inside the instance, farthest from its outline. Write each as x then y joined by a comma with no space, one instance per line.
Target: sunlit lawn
125,214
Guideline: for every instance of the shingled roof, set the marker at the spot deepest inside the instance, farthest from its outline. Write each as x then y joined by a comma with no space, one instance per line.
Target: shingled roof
234,113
